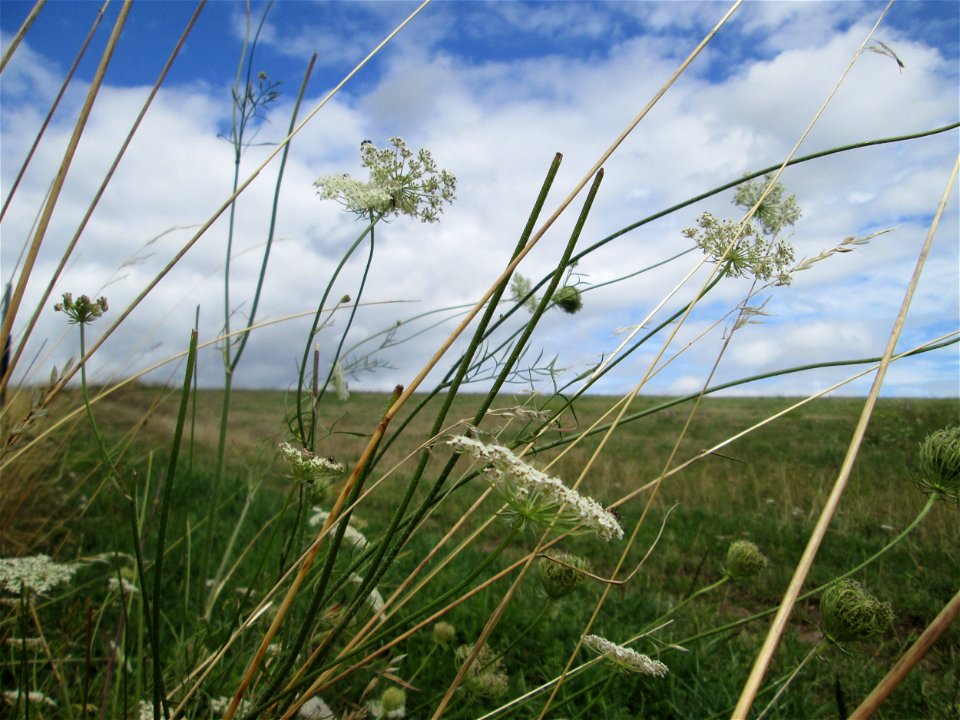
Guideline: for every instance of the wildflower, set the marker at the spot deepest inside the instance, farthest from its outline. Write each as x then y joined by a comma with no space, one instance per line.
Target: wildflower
316,709
521,291
746,253
744,560
374,598
624,658
37,573
487,676
314,472
83,310
340,383
122,585
402,182
776,212
560,574
392,704
940,464
848,612
353,537
12,697
444,634
568,299
534,495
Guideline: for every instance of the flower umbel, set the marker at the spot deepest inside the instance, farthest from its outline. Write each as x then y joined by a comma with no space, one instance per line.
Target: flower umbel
940,464
37,573
487,676
848,612
534,495
402,182
83,310
744,560
560,573
625,659
314,472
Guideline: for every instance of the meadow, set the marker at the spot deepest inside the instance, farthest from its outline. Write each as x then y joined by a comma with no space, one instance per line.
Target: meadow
494,537
766,488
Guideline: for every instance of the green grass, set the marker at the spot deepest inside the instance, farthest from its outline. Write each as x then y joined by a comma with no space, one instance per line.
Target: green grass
767,487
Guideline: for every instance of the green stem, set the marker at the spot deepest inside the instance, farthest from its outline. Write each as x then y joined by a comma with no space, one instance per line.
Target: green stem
165,508
814,652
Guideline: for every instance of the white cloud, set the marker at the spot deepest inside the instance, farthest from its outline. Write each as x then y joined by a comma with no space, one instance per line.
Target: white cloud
496,123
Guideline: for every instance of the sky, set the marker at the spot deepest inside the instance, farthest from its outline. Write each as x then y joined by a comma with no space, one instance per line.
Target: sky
493,90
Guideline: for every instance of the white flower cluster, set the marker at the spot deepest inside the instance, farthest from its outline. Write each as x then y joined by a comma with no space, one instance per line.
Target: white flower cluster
353,536
12,697
402,182
374,599
518,481
307,467
316,709
624,658
37,572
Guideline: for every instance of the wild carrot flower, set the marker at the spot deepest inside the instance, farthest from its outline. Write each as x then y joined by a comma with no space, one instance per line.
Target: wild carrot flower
560,573
625,659
38,573
486,677
351,535
12,697
444,634
402,182
744,560
392,704
314,472
848,612
535,496
568,299
940,464
316,709
83,310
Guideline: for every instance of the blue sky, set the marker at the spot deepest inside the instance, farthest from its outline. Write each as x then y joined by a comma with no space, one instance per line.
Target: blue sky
494,89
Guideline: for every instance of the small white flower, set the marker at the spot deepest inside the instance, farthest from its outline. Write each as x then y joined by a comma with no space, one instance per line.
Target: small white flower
624,658
123,585
374,599
340,383
353,536
316,709
532,492
315,473
38,573
35,696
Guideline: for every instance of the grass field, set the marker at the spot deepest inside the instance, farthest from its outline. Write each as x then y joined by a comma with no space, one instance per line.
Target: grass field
767,487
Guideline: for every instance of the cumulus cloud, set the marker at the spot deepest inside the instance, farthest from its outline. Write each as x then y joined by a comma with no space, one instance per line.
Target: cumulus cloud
495,118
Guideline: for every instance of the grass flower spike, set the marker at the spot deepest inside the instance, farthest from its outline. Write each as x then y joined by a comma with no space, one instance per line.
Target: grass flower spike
37,573
402,182
534,495
626,660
